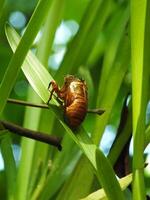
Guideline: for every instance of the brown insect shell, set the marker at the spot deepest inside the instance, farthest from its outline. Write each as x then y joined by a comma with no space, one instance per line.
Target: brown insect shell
74,95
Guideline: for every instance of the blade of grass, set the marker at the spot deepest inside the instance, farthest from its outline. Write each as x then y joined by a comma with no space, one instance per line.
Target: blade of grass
140,68
21,51
107,178
100,194
97,51
121,140
27,147
60,169
52,22
118,22
95,29
96,13
72,190
2,3
112,88
32,67
103,170
9,162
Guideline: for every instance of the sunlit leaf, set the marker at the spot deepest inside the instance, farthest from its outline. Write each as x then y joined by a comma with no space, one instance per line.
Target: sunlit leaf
100,194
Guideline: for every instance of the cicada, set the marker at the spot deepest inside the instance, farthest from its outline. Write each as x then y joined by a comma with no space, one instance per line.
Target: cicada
74,98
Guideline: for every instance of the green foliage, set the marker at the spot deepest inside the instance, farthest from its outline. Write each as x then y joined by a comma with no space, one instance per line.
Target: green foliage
99,51
100,194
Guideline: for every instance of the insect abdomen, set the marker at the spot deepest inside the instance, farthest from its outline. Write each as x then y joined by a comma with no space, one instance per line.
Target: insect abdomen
76,112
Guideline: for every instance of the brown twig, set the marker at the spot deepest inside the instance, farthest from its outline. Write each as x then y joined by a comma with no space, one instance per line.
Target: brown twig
42,105
36,135
26,103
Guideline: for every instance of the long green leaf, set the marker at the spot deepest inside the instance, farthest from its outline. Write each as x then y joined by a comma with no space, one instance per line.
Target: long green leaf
73,186
122,139
39,79
112,88
60,169
107,178
140,13
50,27
21,51
118,22
2,3
80,47
100,194
9,162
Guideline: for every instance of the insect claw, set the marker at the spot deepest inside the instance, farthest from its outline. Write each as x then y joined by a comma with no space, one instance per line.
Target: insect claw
49,85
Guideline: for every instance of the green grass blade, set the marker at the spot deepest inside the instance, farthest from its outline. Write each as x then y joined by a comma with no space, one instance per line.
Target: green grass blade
122,139
77,53
112,88
53,20
107,178
31,67
100,194
21,51
101,164
9,162
97,50
2,3
72,188
118,22
140,68
60,173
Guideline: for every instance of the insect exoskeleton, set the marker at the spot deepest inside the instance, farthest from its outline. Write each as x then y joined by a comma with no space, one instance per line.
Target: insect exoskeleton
73,95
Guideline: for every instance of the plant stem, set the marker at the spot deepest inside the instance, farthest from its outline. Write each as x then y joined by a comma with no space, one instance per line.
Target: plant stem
42,105
36,135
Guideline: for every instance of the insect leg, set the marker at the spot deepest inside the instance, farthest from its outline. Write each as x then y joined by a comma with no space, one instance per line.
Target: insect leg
58,100
56,90
49,86
51,94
